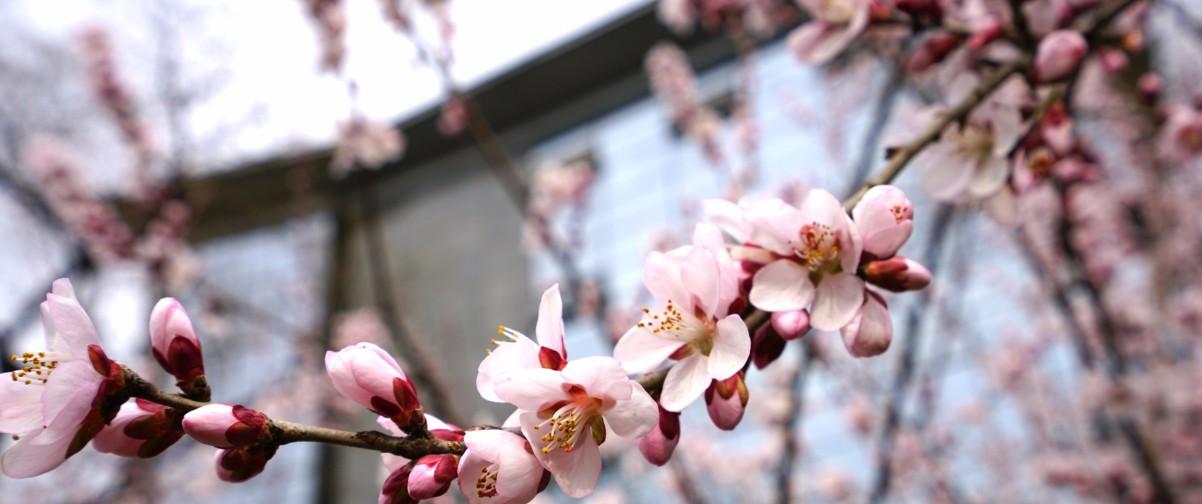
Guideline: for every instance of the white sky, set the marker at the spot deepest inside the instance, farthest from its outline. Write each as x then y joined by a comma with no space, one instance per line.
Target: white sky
267,57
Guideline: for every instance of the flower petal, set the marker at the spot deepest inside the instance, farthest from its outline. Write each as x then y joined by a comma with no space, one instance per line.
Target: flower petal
576,471
989,177
635,416
700,276
732,345
782,285
509,355
549,328
661,276
836,301
686,381
726,216
640,351
68,395
600,376
22,411
530,389
947,173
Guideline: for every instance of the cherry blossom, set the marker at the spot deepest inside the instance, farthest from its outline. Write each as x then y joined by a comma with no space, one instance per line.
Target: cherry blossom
971,161
499,467
564,415
694,288
426,477
658,444
517,351
833,26
809,254
885,218
726,400
235,465
57,402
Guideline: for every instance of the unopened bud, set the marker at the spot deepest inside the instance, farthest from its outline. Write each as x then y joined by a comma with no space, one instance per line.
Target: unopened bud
141,429
236,465
177,348
657,446
766,346
897,274
791,324
225,426
432,475
726,400
1059,54
366,374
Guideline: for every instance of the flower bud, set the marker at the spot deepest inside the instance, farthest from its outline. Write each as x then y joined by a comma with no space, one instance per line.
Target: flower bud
396,487
432,475
236,465
884,218
897,274
933,50
766,346
366,374
791,324
725,400
225,426
1114,60
1150,86
871,331
176,347
1059,54
657,446
985,34
141,429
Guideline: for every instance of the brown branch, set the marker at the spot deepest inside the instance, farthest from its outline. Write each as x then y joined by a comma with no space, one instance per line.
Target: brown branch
794,410
284,432
900,157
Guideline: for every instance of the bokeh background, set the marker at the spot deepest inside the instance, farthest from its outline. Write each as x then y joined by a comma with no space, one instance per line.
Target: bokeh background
199,149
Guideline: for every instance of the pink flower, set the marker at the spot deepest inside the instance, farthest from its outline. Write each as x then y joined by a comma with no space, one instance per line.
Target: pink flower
235,465
897,274
790,325
564,415
56,403
1059,54
726,400
225,426
657,446
810,255
833,26
871,331
694,287
884,217
174,342
519,352
364,143
1181,137
972,160
366,374
499,467
140,429
431,476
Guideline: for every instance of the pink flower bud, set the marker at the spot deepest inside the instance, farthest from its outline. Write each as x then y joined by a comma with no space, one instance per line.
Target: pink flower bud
985,34
225,426
897,274
871,331
1150,85
1059,54
174,342
791,324
932,51
766,346
141,429
725,400
432,475
1114,60
236,465
396,487
885,218
657,446
366,374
